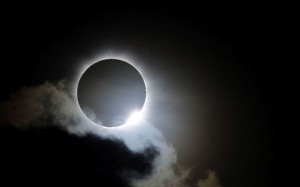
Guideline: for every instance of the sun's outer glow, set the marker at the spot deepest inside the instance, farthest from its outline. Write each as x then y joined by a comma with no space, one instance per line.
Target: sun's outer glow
136,116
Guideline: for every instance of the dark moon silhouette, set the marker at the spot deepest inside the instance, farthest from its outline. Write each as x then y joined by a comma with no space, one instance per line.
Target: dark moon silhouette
109,91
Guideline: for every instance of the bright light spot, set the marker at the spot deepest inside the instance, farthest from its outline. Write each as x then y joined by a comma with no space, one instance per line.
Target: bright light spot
134,118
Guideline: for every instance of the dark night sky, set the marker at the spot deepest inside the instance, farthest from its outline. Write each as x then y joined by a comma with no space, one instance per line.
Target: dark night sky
211,71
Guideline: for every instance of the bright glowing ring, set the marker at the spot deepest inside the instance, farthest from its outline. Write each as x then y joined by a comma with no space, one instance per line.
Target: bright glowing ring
136,116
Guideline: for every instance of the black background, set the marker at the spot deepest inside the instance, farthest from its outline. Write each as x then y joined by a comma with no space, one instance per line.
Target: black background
235,67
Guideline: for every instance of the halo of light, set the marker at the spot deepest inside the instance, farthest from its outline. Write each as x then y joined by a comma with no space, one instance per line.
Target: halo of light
118,56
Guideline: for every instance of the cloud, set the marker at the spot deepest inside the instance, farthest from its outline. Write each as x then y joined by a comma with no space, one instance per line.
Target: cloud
150,160
210,181
52,155
35,105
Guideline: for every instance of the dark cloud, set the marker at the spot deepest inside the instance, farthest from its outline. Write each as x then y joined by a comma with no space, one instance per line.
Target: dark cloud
45,137
211,180
52,155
